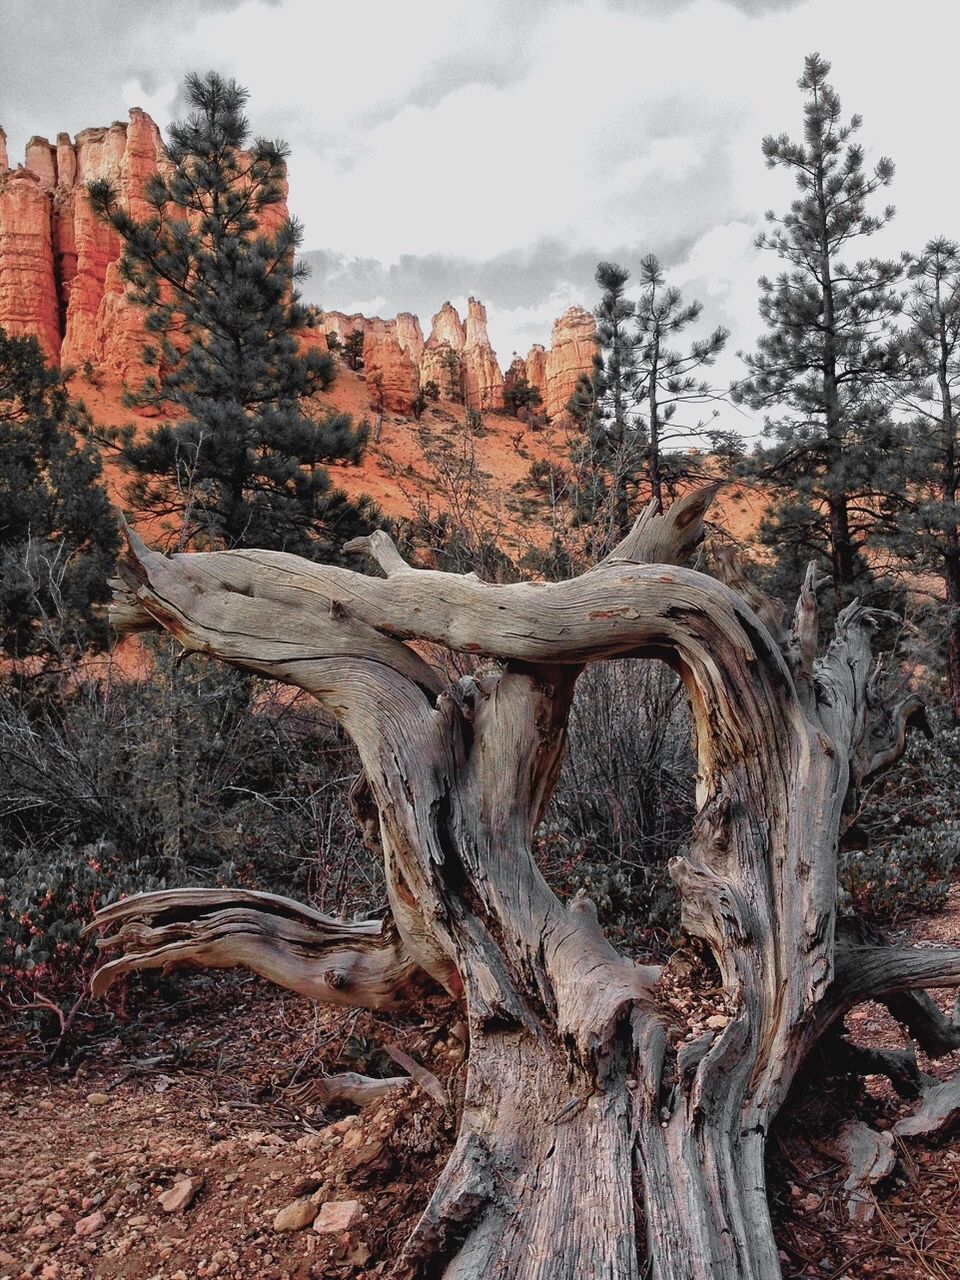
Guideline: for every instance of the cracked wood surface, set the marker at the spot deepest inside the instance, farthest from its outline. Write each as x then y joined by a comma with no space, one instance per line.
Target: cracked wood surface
565,1083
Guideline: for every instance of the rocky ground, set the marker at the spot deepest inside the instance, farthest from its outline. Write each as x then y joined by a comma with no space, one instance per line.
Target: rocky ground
183,1143
183,1139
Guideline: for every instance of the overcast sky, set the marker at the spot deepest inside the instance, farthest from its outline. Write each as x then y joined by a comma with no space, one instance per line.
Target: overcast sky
503,147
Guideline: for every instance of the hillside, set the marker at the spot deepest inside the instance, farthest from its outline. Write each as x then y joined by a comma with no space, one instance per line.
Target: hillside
59,280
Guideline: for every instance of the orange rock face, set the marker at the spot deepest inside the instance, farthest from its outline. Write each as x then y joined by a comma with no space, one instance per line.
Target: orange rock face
343,325
391,354
442,360
393,376
101,325
536,369
482,379
572,347
410,335
63,282
28,294
60,280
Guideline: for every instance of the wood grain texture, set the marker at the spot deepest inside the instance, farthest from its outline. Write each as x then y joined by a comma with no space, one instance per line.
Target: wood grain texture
567,1093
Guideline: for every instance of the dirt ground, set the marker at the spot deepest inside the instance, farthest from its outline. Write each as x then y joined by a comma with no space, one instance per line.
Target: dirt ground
199,1085
207,1078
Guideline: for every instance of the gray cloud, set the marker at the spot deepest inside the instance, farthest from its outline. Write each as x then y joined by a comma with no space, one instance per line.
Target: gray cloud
667,8
525,278
450,147
63,64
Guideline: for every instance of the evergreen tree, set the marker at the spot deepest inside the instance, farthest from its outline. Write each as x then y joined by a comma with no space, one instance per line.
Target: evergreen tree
353,350
613,433
669,379
929,530
241,462
625,408
823,371
58,537
605,452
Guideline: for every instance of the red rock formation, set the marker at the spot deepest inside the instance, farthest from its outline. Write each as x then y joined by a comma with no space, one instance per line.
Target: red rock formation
536,368
442,360
343,325
41,160
59,279
410,335
28,294
392,376
572,347
101,325
65,286
447,327
390,355
482,379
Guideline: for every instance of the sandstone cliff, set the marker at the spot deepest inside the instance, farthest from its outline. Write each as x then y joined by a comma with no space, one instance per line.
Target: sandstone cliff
536,370
58,263
572,347
28,294
482,379
60,280
442,360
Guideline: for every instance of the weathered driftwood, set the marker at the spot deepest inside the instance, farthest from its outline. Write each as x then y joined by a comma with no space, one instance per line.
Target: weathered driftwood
566,1097
937,1110
348,1087
870,1158
362,963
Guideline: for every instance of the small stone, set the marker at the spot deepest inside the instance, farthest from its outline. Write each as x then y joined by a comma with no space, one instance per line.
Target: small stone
180,1194
98,1099
295,1216
54,1219
716,1021
353,1139
337,1215
90,1225
341,1126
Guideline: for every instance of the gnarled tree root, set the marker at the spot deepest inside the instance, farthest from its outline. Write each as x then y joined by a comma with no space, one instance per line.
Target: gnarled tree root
361,963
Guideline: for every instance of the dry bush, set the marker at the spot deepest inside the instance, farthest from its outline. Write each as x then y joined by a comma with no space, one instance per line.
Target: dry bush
624,803
195,775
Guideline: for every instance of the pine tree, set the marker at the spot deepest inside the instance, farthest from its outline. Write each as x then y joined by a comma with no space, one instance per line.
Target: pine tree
625,409
353,350
823,372
241,463
929,533
604,452
670,379
614,428
58,537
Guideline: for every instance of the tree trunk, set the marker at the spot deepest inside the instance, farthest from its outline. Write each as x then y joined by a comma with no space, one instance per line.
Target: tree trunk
574,1097
950,485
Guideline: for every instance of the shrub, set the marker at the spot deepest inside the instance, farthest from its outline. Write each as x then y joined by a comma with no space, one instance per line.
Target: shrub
624,803
194,775
900,852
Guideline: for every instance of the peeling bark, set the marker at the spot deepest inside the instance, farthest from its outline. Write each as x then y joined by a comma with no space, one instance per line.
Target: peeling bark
360,964
571,1088
938,1110
870,1158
